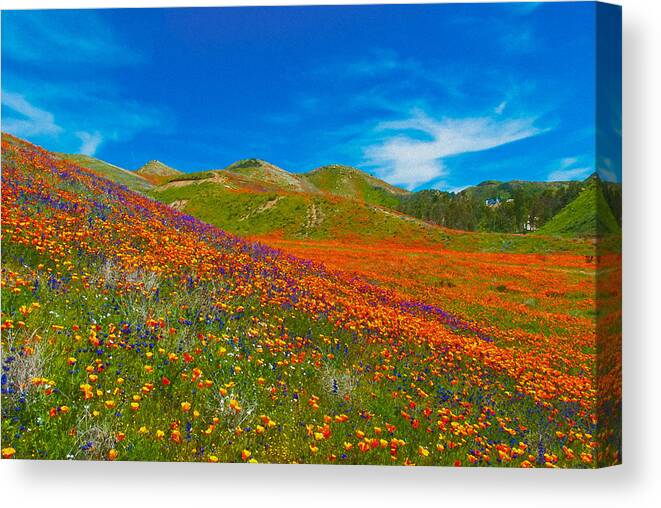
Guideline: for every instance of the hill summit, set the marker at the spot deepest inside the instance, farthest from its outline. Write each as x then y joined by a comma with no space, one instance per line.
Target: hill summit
587,215
266,175
131,179
352,183
157,172
258,197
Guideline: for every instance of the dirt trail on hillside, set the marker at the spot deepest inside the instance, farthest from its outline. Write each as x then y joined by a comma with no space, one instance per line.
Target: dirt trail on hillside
179,204
403,217
266,206
314,218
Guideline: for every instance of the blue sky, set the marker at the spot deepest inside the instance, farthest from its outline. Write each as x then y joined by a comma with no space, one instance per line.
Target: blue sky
423,96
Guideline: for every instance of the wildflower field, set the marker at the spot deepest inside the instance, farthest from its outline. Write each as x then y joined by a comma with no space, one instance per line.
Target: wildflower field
132,331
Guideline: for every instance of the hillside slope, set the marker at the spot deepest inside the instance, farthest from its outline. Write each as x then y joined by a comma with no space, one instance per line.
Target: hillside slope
263,210
132,331
255,198
588,215
131,179
263,175
157,172
351,183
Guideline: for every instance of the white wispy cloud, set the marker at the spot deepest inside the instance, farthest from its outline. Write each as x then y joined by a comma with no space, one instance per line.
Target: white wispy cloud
85,118
89,142
81,37
413,154
379,64
570,168
25,119
500,108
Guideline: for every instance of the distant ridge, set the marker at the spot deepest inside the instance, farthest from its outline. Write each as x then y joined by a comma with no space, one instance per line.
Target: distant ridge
352,183
491,189
271,177
334,200
131,179
157,172
588,215
258,175
251,164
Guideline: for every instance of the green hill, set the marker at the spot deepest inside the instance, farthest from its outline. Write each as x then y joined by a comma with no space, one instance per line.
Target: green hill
131,179
588,215
500,207
493,189
255,197
221,201
262,175
157,172
351,183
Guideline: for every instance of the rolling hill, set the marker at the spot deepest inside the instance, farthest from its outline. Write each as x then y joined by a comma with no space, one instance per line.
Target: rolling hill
351,183
254,208
256,198
131,179
156,172
132,331
578,218
264,176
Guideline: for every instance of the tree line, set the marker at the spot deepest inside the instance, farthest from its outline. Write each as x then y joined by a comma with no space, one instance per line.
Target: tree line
504,207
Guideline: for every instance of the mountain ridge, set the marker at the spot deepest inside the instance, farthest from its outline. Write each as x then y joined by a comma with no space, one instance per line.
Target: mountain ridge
315,197
588,215
157,172
132,179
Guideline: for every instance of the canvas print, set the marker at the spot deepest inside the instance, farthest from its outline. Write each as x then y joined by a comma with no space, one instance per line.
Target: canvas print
383,235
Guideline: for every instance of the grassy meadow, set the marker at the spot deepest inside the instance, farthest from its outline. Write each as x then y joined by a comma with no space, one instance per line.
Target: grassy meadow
284,326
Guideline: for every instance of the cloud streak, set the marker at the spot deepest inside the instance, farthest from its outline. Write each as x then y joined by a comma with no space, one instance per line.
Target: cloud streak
413,151
90,111
83,38
90,142
85,119
386,65
25,119
570,168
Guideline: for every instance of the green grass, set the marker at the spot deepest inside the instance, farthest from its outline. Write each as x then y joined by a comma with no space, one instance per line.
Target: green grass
588,215
517,243
336,379
350,183
295,215
291,214
115,173
186,177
